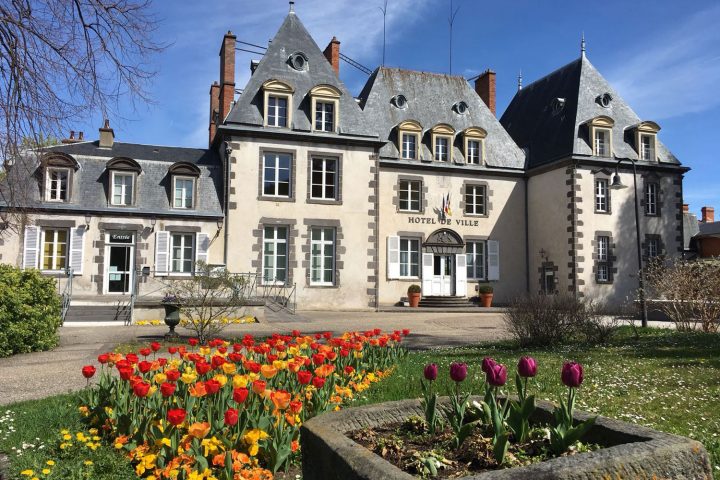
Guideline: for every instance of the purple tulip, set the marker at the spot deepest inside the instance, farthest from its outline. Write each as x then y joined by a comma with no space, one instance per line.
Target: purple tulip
527,367
572,374
497,376
487,364
431,371
458,371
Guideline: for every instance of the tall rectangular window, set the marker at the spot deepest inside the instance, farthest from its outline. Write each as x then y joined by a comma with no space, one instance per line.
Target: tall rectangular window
277,171
475,255
409,146
653,247
651,198
324,116
409,257
474,152
602,142
184,187
275,253
57,184
183,252
601,196
603,255
122,188
54,248
442,152
647,147
322,256
324,178
409,195
475,199
277,111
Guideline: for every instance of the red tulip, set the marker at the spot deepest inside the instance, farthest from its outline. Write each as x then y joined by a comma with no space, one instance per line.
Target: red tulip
295,407
172,375
145,352
141,389
458,371
167,389
430,372
172,350
240,395
258,386
193,342
318,382
217,361
231,416
487,364
318,358
104,358
349,370
132,358
497,376
572,374
527,367
405,332
296,333
212,386
304,377
88,371
144,366
176,416
125,372
202,368
155,346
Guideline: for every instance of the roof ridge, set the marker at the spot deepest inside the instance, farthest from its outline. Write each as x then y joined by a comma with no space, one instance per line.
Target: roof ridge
437,74
554,72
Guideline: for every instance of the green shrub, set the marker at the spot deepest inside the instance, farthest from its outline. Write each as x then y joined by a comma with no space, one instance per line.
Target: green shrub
29,311
485,289
414,289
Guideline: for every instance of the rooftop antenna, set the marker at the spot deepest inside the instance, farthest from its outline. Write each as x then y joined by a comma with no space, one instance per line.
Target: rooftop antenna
520,80
383,9
292,6
582,45
451,20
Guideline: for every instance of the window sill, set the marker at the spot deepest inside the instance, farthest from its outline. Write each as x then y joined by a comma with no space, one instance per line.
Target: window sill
408,279
411,211
323,201
322,286
475,215
264,198
603,212
54,273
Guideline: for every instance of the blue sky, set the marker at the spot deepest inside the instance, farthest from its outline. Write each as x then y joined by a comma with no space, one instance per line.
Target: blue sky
663,57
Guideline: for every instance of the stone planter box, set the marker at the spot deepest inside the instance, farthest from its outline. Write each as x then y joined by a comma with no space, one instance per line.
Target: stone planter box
631,452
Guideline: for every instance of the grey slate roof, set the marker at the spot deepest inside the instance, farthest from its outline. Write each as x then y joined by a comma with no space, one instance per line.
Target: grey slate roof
531,122
293,37
430,100
712,228
153,194
690,229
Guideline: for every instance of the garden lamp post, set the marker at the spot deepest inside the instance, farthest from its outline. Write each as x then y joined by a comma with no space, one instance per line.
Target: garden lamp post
617,184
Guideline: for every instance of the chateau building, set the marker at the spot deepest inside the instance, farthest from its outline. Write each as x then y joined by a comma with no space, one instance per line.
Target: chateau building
353,198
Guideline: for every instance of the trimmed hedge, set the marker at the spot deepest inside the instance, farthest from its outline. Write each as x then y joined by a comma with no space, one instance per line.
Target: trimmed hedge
29,311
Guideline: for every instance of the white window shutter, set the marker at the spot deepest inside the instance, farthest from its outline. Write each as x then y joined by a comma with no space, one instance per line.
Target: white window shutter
31,249
493,259
427,273
393,257
77,236
162,253
460,275
203,245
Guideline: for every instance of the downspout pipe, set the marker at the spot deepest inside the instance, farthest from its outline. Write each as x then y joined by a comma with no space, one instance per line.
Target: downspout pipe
527,238
226,224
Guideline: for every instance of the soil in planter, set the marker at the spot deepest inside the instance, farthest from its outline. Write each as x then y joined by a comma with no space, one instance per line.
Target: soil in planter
408,446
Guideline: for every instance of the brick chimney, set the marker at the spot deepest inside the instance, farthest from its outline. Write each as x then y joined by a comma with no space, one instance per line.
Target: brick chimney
332,53
227,75
71,138
708,214
107,135
686,208
214,110
485,88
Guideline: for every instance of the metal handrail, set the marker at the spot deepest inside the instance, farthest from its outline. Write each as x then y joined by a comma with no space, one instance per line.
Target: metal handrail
66,295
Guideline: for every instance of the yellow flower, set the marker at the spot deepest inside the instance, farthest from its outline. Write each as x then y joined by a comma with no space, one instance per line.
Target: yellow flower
188,377
240,381
204,350
155,322
46,471
280,365
229,368
164,441
67,436
88,462
221,379
50,462
160,377
27,473
146,463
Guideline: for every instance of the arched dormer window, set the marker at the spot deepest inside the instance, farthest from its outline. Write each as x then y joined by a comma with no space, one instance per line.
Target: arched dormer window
123,173
184,184
474,143
601,135
325,108
58,170
442,141
278,104
646,140
409,133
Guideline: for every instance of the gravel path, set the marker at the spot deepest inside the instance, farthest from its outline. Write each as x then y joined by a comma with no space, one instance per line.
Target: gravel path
38,375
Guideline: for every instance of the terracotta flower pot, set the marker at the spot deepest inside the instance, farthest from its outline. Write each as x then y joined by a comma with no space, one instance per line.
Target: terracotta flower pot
414,299
486,299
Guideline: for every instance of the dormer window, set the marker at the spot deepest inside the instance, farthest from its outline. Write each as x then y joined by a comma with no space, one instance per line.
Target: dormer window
298,61
278,104
409,140
442,139
461,108
646,140
601,135
58,171
325,108
184,180
399,101
474,145
123,173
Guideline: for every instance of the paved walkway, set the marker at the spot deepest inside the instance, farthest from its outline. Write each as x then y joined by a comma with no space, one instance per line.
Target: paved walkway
38,375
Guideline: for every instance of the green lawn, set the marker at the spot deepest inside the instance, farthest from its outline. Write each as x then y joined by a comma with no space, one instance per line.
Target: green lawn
665,380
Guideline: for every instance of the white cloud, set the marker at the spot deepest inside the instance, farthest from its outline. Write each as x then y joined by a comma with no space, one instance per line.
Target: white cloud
676,72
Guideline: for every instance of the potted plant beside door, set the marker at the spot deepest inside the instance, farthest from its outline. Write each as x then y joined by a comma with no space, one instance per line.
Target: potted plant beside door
171,303
414,295
486,294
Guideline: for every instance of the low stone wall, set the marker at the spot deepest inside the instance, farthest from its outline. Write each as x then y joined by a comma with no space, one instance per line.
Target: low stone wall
631,451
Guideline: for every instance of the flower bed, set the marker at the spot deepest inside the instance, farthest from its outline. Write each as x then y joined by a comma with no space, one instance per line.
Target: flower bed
229,411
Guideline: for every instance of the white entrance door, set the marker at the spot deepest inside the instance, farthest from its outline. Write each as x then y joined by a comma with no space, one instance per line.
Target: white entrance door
119,255
442,280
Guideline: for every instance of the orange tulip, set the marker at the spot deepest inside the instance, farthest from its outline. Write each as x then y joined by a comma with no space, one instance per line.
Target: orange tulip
281,399
268,371
198,390
325,370
199,430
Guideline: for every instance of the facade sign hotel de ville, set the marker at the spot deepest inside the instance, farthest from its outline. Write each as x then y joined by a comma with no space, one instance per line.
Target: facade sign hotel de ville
354,196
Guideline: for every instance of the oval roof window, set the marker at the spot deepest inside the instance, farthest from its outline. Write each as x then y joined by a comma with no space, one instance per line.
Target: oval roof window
298,61
605,99
399,101
460,108
557,105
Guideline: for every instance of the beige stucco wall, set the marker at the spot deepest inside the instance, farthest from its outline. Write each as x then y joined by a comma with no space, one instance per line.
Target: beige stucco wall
90,281
352,218
505,223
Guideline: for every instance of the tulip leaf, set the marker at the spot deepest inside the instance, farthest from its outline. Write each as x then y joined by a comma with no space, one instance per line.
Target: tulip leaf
500,448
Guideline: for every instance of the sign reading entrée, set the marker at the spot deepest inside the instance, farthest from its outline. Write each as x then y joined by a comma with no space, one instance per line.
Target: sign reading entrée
121,237
446,221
